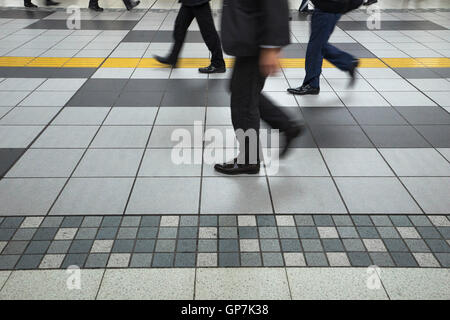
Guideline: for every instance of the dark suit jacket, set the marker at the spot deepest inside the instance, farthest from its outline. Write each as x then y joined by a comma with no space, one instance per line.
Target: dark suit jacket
192,3
249,24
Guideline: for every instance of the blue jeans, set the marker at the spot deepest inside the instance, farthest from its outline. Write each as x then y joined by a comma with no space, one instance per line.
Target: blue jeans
322,26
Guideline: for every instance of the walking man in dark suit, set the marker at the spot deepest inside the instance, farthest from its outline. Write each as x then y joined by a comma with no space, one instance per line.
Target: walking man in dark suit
200,10
254,31
323,21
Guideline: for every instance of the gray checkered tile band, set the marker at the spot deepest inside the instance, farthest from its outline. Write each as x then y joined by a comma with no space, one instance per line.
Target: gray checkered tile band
224,241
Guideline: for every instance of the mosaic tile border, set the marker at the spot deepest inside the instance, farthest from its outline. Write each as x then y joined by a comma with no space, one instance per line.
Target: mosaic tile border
55,242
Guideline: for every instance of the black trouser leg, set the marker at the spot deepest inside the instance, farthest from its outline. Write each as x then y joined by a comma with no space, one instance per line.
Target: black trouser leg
249,105
182,23
209,33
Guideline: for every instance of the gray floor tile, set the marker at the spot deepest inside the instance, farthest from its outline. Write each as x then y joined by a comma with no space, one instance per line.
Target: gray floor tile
356,162
18,136
40,194
66,137
109,163
218,192
121,137
46,163
305,195
81,116
416,162
363,195
47,99
29,116
159,162
430,193
316,259
93,196
131,116
165,196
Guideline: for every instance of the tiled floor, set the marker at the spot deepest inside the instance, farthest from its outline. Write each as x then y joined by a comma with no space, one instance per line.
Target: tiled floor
87,176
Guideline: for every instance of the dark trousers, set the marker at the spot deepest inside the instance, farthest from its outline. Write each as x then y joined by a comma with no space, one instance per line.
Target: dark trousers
322,26
249,105
205,21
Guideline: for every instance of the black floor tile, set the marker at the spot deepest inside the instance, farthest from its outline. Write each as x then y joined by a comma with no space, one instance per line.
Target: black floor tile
8,13
417,73
26,72
47,72
221,85
139,99
438,136
377,116
340,137
182,99
186,85
8,158
219,98
73,72
395,137
115,85
425,115
443,72
139,36
94,99
146,85
328,116
167,36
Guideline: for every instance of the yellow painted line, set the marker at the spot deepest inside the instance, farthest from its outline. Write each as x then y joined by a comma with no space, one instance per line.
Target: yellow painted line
15,61
435,62
371,63
121,63
292,63
47,62
201,62
84,63
150,63
403,63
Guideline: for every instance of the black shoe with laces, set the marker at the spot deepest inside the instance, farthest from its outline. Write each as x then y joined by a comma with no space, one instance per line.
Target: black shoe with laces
94,6
164,60
130,4
30,5
293,132
51,3
234,168
369,2
212,69
352,72
304,90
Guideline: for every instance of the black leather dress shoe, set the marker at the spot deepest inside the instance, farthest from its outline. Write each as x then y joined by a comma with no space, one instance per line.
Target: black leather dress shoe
369,2
95,7
129,4
51,3
164,60
289,136
304,90
233,168
30,5
352,72
212,69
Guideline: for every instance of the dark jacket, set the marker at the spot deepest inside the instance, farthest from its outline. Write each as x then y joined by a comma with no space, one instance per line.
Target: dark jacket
249,24
192,3
337,6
